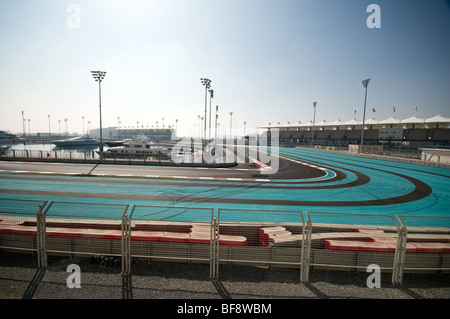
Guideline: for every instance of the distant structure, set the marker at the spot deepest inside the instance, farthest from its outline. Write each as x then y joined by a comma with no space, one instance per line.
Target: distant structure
153,134
410,133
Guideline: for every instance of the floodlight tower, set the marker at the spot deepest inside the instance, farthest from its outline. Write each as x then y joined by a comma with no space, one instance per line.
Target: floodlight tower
211,96
207,83
231,123
99,76
365,85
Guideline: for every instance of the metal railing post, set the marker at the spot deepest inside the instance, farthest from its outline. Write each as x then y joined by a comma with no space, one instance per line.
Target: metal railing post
214,250
306,251
400,254
41,239
126,245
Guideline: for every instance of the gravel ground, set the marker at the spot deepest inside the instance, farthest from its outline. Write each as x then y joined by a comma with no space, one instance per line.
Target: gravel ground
20,279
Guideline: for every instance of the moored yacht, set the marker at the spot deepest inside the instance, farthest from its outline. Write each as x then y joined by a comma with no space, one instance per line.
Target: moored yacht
9,138
138,147
78,141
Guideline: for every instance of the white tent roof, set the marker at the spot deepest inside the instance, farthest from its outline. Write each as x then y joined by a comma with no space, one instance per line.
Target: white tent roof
413,120
321,123
371,121
391,120
438,119
352,122
307,124
335,123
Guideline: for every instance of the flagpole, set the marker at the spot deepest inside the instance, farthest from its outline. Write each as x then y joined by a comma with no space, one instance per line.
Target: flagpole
314,123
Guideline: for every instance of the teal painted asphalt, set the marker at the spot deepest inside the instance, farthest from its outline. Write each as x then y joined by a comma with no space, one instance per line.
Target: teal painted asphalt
386,180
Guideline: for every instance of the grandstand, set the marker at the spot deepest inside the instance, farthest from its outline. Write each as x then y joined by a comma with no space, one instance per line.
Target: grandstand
409,134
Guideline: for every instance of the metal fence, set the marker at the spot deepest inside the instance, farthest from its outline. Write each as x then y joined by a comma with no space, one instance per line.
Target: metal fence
426,244
267,238
170,234
21,226
52,154
351,242
85,229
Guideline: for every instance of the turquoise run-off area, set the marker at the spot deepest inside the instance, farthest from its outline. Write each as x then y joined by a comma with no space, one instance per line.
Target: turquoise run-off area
386,181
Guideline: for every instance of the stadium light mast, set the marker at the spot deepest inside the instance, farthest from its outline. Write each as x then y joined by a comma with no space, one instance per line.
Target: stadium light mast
211,96
314,123
365,85
49,130
99,76
215,126
207,83
231,123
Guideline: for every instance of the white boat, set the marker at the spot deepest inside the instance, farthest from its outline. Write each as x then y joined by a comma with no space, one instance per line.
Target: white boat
9,138
139,147
4,148
78,141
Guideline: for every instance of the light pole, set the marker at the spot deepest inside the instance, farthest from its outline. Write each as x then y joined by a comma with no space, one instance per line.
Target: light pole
245,123
203,135
59,129
207,83
99,76
211,96
365,85
83,124
231,123
215,126
118,127
49,131
23,124
314,123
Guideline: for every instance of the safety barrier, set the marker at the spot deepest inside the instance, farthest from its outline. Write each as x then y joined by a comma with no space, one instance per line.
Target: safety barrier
170,234
430,237
266,238
22,227
85,229
396,245
351,242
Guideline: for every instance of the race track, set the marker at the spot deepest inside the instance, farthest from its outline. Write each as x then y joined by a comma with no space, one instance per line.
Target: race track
307,180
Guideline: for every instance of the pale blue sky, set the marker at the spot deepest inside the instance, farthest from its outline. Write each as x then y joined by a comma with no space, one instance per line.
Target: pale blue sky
268,61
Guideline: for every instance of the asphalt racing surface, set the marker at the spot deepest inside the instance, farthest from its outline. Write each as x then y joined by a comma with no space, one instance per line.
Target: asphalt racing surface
306,180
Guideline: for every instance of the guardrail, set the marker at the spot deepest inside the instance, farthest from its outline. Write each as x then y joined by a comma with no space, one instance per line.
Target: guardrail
336,241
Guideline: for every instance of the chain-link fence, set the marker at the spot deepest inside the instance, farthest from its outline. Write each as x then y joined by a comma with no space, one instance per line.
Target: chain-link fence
264,238
426,244
159,233
351,242
258,237
21,227
78,229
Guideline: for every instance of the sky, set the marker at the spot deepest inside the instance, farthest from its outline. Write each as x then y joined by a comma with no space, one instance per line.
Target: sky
268,61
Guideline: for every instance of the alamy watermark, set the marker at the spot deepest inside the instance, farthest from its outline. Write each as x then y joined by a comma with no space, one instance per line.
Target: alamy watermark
74,280
374,280
262,150
374,19
74,19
